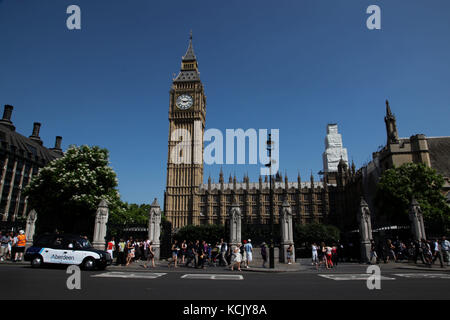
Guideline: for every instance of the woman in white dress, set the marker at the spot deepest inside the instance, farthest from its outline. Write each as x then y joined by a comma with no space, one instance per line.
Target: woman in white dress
237,257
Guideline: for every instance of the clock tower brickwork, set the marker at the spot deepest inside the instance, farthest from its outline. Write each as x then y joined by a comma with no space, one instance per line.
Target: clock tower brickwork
187,111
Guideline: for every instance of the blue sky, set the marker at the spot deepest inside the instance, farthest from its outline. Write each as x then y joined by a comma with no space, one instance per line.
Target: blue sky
292,65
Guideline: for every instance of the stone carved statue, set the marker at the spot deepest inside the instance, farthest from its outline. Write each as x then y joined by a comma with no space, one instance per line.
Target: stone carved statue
101,219
287,232
365,230
30,227
416,219
154,227
235,224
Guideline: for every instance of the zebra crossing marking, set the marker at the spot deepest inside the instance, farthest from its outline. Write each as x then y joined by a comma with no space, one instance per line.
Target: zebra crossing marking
205,276
423,275
130,275
351,277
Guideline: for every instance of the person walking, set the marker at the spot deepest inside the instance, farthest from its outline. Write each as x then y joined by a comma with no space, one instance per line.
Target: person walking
110,247
244,254
437,252
120,260
315,256
195,250
390,251
3,246
237,258
183,251
322,255
289,252
373,252
334,255
151,255
328,255
201,255
248,248
223,252
20,246
174,249
264,254
426,251
445,245
130,251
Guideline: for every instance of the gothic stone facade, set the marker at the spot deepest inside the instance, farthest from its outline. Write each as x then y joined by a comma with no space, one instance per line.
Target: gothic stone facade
335,199
20,160
432,151
189,201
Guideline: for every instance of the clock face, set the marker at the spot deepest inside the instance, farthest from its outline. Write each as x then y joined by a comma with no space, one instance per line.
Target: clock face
184,101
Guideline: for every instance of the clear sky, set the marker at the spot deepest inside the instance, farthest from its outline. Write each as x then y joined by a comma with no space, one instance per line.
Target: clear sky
291,65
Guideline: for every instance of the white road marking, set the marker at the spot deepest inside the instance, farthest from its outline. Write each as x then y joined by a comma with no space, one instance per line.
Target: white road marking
423,275
130,275
204,276
349,277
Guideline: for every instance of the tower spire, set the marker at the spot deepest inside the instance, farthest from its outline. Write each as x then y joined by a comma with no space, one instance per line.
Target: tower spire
388,109
190,55
391,125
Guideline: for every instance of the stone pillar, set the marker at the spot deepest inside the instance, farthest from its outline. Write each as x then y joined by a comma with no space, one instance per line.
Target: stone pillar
416,219
154,227
29,230
287,232
365,230
101,219
235,224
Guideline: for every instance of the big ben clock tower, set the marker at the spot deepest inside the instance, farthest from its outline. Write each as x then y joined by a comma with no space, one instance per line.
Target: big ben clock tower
187,111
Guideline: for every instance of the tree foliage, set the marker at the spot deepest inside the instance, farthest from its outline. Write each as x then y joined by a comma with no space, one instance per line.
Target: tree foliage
316,233
399,185
211,233
133,214
67,191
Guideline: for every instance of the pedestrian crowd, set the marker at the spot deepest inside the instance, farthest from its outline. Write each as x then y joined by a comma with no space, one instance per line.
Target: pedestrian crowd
426,251
12,246
200,254
325,255
195,254
131,250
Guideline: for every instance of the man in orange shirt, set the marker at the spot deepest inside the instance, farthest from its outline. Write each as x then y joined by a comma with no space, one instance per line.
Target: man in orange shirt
20,245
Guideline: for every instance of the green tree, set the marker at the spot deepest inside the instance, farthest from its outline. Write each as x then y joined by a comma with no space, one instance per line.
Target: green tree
131,214
316,233
211,233
67,191
399,185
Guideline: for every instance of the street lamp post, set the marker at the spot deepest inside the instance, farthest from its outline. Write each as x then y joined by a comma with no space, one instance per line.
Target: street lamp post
269,165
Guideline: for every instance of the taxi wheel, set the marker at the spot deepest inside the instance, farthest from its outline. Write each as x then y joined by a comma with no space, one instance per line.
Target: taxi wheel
88,264
36,262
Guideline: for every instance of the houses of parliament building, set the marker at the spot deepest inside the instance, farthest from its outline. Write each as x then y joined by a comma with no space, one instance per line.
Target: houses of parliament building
334,199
